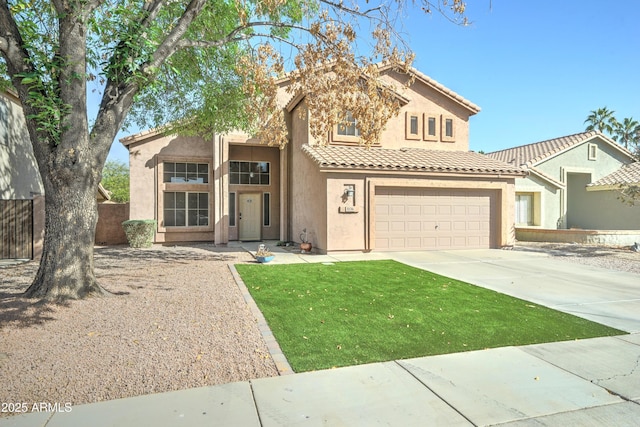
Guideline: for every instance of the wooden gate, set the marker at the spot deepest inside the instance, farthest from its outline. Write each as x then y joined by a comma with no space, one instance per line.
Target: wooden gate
16,229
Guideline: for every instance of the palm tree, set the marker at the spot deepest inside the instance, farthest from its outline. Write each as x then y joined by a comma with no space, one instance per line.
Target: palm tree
627,133
602,120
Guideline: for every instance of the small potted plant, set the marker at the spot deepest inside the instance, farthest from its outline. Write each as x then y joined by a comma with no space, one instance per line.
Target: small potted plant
263,254
305,246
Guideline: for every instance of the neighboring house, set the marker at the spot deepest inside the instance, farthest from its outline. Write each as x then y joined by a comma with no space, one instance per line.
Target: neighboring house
21,189
419,188
573,183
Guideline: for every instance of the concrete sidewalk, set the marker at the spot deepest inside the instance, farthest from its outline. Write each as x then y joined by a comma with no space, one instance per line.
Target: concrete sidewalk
593,382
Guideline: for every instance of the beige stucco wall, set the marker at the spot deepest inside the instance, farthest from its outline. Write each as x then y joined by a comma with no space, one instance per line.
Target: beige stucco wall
19,176
346,216
146,186
425,100
307,189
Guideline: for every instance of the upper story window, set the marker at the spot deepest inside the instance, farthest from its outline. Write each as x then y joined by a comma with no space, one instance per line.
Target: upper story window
430,128
193,173
448,130
593,152
348,127
249,173
413,125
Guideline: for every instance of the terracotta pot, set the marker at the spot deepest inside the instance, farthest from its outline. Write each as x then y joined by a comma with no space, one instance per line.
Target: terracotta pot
305,247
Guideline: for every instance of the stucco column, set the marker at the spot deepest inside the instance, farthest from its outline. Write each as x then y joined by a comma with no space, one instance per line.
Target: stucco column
220,190
284,194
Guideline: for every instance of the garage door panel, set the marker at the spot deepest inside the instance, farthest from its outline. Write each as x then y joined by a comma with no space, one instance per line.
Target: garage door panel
430,218
473,226
414,210
414,226
397,226
429,209
460,226
444,210
397,209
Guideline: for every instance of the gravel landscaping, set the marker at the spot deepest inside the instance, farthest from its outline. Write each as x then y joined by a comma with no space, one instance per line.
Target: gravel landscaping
613,258
176,320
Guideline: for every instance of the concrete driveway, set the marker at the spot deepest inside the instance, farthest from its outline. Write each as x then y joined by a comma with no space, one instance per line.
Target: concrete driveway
601,295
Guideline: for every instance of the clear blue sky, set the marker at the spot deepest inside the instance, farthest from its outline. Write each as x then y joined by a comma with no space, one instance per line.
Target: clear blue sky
536,68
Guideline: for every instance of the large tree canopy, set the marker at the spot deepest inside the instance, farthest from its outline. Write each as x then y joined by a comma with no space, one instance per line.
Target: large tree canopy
204,66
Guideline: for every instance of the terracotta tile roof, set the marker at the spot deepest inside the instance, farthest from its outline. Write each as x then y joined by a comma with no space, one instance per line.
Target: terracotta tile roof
531,154
627,174
409,160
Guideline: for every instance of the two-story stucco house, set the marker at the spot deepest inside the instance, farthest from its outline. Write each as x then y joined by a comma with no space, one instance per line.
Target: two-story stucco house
419,188
573,183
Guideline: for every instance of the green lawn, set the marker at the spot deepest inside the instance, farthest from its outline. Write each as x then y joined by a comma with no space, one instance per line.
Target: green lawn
350,313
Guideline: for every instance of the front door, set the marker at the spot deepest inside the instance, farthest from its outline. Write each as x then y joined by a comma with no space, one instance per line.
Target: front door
249,216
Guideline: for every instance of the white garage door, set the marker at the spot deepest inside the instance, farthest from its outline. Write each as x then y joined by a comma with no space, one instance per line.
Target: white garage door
433,219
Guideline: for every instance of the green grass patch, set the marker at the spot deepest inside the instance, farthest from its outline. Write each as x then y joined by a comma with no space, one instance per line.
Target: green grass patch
351,313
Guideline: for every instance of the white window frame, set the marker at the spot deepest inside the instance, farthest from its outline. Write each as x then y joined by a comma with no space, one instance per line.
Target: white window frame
592,151
341,132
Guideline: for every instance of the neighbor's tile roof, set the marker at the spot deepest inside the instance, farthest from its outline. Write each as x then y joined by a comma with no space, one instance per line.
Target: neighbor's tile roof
627,174
531,154
409,159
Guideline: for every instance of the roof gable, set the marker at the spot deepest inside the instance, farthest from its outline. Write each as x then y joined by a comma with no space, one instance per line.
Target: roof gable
534,154
420,77
440,88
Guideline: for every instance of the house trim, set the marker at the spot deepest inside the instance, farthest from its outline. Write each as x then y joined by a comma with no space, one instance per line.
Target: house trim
546,178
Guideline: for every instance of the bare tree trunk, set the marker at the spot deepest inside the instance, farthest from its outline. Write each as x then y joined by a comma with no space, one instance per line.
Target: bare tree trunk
66,267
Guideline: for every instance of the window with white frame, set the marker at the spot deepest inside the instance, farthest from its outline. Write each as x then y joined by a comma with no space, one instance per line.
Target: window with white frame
348,127
524,209
186,209
592,152
249,173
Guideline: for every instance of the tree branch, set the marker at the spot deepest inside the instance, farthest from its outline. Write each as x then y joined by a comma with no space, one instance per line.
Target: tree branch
235,36
342,7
